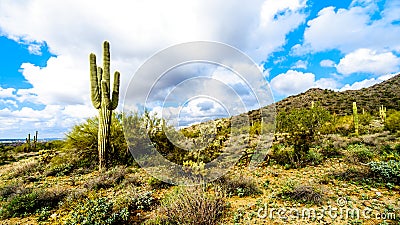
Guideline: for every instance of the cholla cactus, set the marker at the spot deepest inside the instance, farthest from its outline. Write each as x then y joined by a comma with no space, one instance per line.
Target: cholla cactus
355,117
101,99
382,113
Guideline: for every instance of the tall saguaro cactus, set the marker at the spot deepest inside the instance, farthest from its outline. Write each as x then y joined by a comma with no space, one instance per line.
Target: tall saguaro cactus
101,99
355,117
382,113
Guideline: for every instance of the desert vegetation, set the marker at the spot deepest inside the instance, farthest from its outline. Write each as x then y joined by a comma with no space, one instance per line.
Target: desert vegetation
342,157
312,163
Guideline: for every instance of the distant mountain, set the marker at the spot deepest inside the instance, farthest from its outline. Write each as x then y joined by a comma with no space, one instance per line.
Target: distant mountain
370,99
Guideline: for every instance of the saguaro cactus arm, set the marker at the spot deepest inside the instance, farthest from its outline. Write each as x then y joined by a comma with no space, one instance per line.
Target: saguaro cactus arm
94,82
115,94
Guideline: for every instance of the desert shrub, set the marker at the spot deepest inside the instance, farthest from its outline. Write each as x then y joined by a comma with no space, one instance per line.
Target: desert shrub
386,171
397,148
365,119
392,122
29,201
359,153
284,155
294,190
143,201
106,180
344,125
313,157
309,194
6,154
9,189
238,186
135,200
24,167
190,133
303,126
97,212
352,174
191,206
81,143
59,169
328,149
156,183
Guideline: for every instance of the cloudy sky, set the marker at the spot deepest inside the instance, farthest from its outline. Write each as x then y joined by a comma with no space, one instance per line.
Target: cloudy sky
297,44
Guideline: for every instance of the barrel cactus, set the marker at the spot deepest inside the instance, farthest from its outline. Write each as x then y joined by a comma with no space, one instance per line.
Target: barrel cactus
103,101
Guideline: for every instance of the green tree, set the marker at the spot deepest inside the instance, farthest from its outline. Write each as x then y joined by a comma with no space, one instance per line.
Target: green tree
83,142
302,127
392,122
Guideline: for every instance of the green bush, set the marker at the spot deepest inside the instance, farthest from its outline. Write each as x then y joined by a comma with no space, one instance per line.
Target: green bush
81,144
359,153
303,126
313,157
387,171
135,201
392,122
156,183
97,212
344,125
283,155
328,149
28,201
365,119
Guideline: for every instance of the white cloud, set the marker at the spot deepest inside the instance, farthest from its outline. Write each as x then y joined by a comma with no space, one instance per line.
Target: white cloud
327,63
369,61
366,83
292,82
6,92
35,49
353,28
136,30
52,121
327,83
71,86
300,65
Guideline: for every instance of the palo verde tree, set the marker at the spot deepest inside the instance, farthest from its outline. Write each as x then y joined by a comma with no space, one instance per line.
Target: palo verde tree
302,127
101,99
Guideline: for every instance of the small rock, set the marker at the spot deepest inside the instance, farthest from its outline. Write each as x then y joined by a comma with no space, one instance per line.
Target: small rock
367,204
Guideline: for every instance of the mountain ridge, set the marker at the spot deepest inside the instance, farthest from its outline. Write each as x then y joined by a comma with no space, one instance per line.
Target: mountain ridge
386,93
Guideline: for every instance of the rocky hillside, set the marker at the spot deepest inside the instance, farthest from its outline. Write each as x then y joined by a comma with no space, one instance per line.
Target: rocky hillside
386,93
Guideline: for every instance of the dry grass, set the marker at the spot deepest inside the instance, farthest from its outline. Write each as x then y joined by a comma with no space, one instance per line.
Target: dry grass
192,205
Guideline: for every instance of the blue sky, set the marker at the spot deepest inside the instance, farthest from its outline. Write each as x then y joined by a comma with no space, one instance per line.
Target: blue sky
298,44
